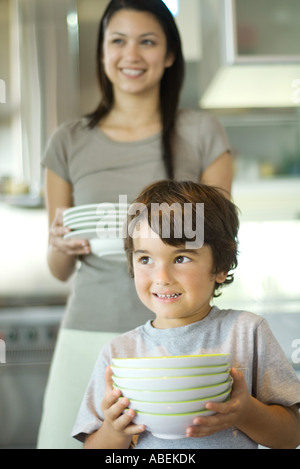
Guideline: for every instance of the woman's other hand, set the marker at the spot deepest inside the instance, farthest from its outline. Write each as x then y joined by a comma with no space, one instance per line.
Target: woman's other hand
71,247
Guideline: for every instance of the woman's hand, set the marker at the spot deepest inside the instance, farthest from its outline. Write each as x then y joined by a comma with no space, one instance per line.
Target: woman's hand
71,247
227,414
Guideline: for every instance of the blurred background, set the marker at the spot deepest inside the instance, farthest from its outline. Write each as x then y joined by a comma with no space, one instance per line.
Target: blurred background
243,65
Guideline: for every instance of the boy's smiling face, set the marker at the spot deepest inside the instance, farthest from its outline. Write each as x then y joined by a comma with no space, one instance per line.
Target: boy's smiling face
175,283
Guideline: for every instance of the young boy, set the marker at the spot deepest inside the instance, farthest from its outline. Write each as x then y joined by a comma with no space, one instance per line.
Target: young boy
176,274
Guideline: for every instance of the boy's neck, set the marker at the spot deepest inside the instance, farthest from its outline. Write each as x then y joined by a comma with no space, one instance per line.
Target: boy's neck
163,323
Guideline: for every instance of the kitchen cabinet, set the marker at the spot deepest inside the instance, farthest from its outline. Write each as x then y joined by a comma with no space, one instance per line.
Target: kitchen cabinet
265,144
262,30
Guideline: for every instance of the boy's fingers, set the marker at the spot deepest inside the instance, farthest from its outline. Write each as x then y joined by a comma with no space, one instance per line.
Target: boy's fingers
124,423
108,379
111,398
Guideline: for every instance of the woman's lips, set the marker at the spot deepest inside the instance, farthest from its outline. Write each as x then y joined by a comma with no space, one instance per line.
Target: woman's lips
132,72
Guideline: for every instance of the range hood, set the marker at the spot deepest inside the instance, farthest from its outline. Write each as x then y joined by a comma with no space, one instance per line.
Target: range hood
253,86
251,54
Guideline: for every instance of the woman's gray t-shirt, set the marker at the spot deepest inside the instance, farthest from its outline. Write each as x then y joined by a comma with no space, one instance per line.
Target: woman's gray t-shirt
100,170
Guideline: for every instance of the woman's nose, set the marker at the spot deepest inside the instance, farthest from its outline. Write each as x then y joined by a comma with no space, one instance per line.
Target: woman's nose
132,51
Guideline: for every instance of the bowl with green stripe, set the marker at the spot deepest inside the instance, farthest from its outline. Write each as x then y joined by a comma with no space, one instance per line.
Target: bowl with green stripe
169,426
176,395
165,372
179,361
176,407
171,382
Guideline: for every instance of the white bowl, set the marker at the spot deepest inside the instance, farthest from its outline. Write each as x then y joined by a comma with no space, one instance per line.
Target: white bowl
112,248
102,247
94,233
169,426
178,394
165,372
180,361
99,225
166,384
93,216
180,407
95,208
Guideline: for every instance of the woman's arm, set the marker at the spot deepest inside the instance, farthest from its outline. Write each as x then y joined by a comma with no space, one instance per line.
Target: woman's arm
62,254
220,173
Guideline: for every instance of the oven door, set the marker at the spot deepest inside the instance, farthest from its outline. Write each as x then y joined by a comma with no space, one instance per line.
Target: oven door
22,388
29,334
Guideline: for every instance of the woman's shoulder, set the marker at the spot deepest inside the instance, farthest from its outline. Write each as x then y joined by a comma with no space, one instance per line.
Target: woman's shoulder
71,128
193,116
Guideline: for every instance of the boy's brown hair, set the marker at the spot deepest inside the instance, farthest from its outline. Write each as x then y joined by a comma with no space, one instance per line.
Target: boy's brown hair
221,221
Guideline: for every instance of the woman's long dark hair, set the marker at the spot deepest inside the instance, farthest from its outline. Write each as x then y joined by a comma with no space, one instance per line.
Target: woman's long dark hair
172,79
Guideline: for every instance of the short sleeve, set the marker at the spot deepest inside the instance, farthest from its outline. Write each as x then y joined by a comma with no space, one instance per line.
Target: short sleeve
90,417
201,140
213,141
276,381
57,153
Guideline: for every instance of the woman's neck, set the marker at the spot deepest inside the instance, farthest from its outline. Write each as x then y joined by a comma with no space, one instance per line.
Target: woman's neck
132,118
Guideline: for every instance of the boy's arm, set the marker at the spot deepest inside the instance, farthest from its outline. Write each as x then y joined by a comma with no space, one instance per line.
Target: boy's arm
107,438
117,429
273,426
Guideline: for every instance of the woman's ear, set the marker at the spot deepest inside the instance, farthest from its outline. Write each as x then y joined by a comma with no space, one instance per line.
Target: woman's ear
170,59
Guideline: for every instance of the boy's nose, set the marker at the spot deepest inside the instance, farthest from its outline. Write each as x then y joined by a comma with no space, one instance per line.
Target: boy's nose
163,276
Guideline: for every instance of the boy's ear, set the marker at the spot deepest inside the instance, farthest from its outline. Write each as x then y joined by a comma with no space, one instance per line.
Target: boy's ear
221,277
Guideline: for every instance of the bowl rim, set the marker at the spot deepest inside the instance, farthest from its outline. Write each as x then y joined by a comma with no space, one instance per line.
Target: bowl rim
173,368
229,382
182,402
173,356
174,377
203,411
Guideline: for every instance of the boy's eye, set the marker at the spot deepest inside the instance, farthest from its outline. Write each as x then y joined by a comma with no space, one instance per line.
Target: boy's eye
145,260
182,259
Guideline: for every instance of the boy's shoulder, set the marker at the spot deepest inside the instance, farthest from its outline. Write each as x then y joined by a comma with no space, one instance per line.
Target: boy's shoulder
240,315
125,345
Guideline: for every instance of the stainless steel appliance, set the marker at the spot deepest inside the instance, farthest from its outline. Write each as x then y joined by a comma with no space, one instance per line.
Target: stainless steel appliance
29,334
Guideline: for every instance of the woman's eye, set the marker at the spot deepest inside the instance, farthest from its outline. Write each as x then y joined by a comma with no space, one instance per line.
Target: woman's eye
117,41
182,259
147,42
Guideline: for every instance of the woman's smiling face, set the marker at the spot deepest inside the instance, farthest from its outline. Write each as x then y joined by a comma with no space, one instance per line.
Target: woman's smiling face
176,283
135,51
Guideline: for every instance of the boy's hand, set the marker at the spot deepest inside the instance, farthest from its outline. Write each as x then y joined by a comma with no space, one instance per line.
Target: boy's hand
227,414
113,407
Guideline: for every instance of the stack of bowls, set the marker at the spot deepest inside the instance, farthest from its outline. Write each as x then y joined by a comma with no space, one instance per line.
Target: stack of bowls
101,224
167,393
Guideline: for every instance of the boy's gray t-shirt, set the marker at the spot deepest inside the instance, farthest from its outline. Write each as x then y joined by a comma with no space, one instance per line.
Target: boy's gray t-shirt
247,337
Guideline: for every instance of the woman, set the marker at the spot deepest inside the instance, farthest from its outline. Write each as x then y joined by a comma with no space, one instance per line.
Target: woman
136,136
